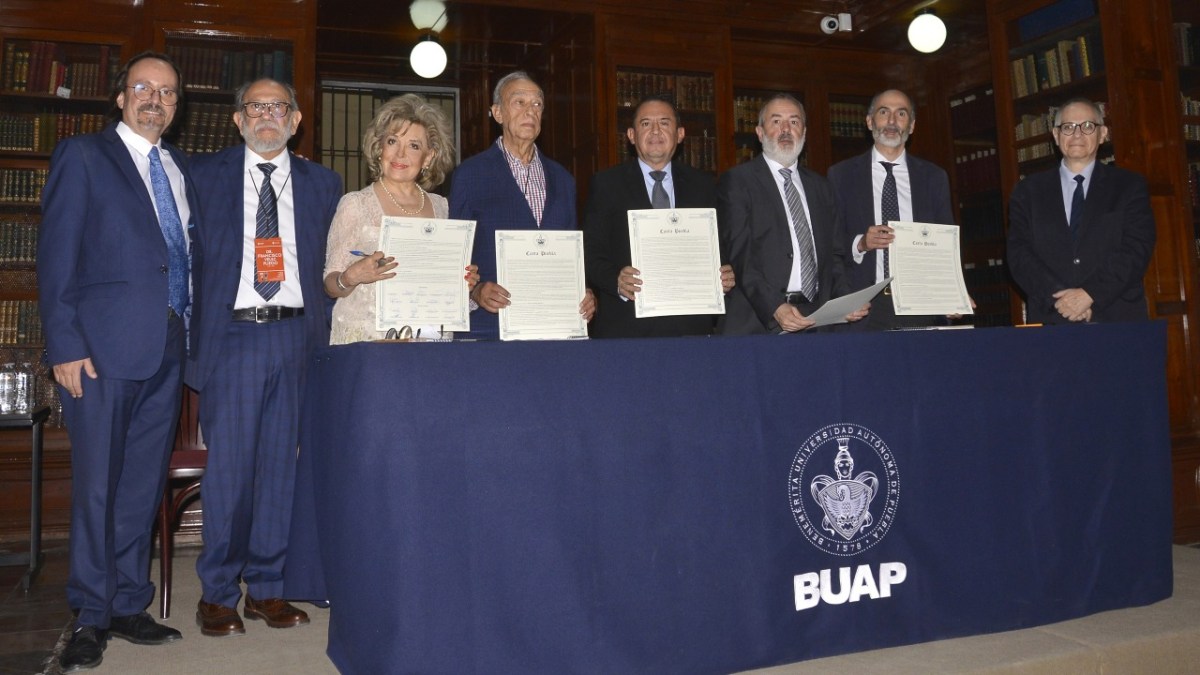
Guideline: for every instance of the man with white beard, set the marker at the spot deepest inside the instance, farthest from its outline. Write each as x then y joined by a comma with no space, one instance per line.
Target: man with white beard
260,310
887,184
781,230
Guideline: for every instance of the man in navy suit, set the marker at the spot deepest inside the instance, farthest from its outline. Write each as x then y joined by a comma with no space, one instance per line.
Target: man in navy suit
655,134
113,286
260,311
922,194
511,186
783,232
1080,236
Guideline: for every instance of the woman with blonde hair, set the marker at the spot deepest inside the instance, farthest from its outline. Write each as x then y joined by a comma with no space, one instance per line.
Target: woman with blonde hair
409,151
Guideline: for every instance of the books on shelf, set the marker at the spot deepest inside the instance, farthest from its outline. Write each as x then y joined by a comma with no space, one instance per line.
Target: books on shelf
18,237
977,171
1187,43
40,132
1057,64
19,322
59,68
218,68
691,93
848,120
22,186
973,113
209,127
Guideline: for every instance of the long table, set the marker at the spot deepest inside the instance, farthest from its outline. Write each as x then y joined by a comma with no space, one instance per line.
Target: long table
709,505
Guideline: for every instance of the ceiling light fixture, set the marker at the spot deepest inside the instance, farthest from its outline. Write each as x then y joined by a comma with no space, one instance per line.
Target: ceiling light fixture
927,32
428,15
428,58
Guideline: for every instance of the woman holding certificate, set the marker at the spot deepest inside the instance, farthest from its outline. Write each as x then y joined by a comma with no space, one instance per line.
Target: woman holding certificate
409,151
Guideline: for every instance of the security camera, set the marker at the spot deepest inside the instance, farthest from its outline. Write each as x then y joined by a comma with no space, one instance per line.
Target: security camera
829,25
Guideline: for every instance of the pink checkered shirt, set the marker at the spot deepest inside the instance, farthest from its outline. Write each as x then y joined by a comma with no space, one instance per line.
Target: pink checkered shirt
531,179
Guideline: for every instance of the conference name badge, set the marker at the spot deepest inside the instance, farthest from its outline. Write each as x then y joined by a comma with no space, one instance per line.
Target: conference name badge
268,259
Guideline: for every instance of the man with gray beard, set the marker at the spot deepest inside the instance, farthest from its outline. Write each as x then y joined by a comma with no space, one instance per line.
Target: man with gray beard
260,310
882,185
781,231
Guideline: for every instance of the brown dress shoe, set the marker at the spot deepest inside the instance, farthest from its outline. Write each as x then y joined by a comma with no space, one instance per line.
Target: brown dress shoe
276,612
218,620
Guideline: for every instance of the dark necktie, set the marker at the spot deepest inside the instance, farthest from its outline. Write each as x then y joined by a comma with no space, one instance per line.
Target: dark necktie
266,225
804,238
658,196
172,229
1076,206
889,209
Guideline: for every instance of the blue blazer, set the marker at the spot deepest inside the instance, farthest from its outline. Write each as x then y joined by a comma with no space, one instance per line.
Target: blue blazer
102,259
851,180
217,252
1108,258
483,190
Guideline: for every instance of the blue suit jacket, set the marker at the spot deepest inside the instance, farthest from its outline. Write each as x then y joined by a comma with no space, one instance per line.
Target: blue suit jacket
851,180
484,191
217,251
102,259
1108,258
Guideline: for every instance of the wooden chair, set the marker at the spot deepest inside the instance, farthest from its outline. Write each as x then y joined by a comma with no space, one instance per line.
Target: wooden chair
187,463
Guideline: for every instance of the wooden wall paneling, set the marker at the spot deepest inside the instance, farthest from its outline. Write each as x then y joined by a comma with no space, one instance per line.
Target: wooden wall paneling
569,131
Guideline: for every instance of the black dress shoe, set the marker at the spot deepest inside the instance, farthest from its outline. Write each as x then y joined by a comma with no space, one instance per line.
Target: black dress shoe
84,651
141,629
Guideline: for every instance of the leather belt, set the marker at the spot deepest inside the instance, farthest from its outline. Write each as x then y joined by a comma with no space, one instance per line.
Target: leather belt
267,314
795,298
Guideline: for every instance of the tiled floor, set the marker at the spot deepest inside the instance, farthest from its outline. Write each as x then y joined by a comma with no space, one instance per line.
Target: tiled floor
30,623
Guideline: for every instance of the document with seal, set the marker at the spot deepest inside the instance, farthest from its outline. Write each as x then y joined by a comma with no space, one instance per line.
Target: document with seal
926,266
430,288
543,274
679,257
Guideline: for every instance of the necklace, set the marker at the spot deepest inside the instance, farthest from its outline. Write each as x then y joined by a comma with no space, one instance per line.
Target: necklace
402,209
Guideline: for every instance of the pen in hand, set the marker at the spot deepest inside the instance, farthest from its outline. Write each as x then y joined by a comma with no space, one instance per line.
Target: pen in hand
381,262
359,254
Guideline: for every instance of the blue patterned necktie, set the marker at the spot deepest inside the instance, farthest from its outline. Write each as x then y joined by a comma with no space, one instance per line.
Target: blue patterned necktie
172,229
1076,206
658,196
889,209
804,238
266,225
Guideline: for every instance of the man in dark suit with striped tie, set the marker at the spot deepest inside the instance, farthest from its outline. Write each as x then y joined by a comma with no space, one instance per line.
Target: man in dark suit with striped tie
1081,236
260,311
883,185
783,232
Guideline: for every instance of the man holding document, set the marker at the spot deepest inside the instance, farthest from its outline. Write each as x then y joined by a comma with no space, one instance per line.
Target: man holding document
652,181
783,232
879,187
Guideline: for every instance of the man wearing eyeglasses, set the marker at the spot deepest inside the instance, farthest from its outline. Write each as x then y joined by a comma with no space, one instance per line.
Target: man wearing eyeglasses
260,310
1081,236
113,288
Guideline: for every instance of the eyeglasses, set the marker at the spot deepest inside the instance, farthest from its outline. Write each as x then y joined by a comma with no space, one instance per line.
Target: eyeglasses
1068,128
143,92
274,109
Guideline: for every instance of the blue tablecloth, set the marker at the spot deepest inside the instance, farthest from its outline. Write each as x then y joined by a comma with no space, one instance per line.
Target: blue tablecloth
708,505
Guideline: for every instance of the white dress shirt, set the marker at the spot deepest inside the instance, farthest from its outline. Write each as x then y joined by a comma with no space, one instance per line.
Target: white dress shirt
795,280
289,294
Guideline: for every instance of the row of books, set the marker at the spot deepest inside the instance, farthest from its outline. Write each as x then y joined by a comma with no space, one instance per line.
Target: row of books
745,112
848,120
983,221
973,113
19,323
1193,182
45,67
22,186
1067,61
977,275
698,151
1187,43
209,127
40,132
977,171
219,69
18,238
1190,106
690,92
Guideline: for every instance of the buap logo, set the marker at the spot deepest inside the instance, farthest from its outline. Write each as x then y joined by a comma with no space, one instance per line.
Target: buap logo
843,489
